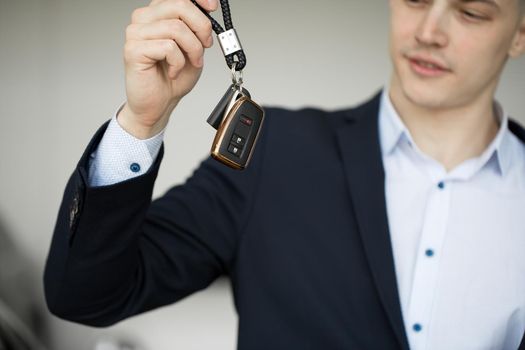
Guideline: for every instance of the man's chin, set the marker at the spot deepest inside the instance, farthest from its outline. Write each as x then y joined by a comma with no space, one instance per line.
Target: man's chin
426,98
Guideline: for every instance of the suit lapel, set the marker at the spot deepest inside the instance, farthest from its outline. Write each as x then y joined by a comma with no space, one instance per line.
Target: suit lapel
358,139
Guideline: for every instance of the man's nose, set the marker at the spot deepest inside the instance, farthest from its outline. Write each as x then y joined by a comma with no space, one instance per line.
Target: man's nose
432,30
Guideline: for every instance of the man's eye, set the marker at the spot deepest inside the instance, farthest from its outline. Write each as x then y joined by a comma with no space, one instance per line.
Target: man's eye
471,15
416,2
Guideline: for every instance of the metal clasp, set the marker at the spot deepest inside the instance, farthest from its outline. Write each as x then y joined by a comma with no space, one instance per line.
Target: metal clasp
229,42
236,77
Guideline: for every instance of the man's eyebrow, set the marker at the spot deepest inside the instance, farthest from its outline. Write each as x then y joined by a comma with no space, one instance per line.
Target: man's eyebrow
492,3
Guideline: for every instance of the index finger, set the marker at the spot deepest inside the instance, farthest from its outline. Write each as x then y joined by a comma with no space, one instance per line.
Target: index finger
209,5
184,10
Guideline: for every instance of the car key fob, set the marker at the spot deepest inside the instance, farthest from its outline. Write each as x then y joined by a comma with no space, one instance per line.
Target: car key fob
237,134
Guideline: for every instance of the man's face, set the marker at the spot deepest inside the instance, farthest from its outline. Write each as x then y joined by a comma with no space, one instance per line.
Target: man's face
450,53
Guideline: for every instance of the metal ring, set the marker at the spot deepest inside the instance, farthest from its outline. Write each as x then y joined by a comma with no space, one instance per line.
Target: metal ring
236,76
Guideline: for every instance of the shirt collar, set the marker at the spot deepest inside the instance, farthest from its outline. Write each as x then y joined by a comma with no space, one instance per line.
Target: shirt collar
392,130
391,126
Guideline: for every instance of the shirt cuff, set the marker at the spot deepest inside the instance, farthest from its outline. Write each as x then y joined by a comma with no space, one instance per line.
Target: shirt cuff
121,156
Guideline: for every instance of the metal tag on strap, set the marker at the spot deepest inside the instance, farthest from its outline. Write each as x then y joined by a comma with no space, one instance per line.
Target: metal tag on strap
229,42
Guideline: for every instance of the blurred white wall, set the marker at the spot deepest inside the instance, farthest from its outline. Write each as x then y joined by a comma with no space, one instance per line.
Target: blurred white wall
61,77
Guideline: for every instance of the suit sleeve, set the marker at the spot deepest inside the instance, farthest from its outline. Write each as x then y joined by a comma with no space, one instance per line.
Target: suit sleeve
115,253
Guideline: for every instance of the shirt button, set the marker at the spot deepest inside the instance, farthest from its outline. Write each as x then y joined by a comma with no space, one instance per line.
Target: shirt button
417,327
134,167
441,185
429,252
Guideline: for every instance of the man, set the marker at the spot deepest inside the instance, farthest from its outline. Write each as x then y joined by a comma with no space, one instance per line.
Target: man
392,225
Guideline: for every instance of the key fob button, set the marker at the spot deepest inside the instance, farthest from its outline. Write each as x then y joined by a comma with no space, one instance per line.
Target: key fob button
237,140
235,150
246,121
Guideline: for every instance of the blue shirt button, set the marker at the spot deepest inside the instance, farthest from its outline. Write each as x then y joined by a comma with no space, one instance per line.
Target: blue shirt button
429,252
134,167
417,327
441,185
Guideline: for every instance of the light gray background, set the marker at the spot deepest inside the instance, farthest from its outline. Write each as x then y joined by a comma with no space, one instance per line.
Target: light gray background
61,77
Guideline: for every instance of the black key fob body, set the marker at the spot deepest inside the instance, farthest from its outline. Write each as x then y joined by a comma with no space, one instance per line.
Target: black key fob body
237,135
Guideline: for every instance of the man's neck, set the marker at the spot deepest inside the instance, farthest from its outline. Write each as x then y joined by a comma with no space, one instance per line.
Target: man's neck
450,136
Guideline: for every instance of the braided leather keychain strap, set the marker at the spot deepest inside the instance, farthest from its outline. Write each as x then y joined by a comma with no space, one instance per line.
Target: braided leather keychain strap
230,59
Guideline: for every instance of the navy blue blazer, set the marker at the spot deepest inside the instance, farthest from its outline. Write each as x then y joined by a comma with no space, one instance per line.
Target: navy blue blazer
302,233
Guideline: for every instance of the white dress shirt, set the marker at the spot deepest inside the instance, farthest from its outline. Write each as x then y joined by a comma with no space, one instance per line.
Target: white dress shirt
121,156
458,240
458,237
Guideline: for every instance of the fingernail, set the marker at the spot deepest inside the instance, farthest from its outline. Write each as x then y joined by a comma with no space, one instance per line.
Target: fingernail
209,41
200,61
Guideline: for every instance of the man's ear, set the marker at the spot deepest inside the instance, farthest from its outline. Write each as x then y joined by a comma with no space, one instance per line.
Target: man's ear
518,42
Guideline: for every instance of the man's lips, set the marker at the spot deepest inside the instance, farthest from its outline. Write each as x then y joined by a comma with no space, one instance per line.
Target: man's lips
427,66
